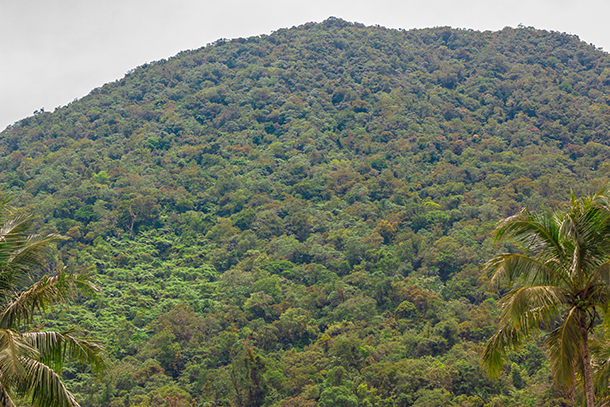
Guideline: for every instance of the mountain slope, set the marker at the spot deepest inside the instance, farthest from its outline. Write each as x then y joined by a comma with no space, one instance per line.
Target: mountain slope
295,216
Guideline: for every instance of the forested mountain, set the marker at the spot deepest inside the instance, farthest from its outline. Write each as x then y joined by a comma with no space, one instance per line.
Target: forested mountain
301,218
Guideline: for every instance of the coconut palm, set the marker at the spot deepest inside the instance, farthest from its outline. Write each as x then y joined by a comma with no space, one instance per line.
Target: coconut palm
559,283
31,362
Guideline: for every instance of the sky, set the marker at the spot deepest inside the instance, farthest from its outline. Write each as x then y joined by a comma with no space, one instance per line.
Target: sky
55,51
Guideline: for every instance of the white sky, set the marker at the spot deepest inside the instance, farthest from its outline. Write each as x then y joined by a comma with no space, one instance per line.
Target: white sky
53,51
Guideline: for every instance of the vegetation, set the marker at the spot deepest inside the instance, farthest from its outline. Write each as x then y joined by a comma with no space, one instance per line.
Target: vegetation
301,218
31,361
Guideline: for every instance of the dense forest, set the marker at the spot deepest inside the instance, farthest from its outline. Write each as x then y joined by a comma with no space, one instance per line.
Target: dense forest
301,218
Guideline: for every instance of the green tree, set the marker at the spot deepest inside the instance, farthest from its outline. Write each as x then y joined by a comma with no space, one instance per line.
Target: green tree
31,362
559,282
338,396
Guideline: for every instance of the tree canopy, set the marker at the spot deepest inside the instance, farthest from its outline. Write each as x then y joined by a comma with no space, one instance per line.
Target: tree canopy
263,212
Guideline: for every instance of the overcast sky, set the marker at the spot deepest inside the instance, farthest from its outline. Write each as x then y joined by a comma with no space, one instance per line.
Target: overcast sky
54,51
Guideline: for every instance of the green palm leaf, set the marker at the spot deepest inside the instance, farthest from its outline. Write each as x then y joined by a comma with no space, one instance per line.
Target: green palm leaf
55,348
529,308
12,348
44,293
524,310
512,267
564,349
45,387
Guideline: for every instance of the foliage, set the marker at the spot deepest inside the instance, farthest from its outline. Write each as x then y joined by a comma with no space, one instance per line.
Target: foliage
264,210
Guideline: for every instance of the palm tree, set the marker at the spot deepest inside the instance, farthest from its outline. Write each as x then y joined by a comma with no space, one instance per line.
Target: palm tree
31,362
560,282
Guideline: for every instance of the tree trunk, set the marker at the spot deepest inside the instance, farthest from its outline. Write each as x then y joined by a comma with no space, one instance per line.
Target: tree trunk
586,361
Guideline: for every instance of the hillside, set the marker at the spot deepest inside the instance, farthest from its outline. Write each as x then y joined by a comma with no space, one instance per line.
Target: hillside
301,218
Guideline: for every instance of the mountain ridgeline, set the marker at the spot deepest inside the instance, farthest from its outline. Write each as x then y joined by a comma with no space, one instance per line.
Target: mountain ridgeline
301,218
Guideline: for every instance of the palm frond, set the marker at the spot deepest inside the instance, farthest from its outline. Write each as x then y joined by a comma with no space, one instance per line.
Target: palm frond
524,310
43,294
20,252
564,348
32,252
44,386
15,236
12,349
55,348
600,274
602,198
532,307
533,232
512,268
506,339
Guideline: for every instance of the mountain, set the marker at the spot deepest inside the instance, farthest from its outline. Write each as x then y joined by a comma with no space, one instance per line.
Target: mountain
301,218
